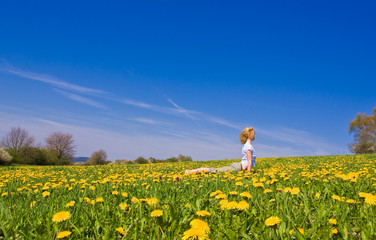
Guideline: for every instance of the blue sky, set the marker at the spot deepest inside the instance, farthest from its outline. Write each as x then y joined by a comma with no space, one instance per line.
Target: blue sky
160,78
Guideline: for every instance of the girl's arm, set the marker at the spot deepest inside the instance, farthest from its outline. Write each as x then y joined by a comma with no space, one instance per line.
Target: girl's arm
248,153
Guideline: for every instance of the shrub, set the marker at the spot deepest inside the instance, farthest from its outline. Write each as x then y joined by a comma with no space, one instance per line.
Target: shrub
98,158
5,158
141,160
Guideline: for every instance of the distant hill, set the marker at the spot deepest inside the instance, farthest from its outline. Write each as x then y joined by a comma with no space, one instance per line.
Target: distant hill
80,159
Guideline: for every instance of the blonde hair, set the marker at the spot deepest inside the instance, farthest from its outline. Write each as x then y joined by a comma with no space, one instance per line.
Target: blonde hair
248,132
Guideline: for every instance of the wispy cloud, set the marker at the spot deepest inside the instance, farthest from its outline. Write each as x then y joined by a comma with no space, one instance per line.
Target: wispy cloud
81,99
7,68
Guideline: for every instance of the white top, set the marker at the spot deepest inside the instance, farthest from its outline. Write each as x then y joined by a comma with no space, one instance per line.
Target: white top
247,146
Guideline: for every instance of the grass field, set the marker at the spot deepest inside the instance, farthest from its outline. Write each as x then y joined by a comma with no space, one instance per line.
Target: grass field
283,198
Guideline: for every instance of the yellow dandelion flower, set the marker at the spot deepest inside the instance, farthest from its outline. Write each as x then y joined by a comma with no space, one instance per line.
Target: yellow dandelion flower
203,213
370,199
135,200
334,231
223,201
45,194
363,194
351,201
336,197
279,189
124,194
233,193
197,223
301,230
99,200
266,191
70,204
4,194
258,184
63,234
32,203
333,221
271,221
115,193
272,200
317,195
187,205
239,184
295,190
221,196
287,189
213,194
156,213
229,205
123,206
61,216
120,230
243,205
92,188
195,234
152,201
246,195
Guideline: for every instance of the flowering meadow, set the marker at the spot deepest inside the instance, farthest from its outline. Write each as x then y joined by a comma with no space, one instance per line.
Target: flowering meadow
282,198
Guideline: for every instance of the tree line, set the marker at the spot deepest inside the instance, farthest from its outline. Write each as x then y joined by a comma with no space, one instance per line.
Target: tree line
19,147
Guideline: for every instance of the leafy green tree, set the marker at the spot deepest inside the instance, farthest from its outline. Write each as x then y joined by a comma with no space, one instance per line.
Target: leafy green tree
364,129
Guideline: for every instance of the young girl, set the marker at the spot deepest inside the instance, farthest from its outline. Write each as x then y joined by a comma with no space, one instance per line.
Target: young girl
248,155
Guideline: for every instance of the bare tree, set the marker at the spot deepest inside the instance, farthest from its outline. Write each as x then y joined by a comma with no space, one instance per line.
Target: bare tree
17,139
62,144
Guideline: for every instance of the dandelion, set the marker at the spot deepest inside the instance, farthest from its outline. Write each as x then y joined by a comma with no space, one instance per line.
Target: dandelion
243,205
32,203
156,213
258,184
336,197
203,213
187,205
370,199
197,223
351,201
123,206
115,193
63,234
70,204
100,200
271,221
152,201
266,191
229,205
195,234
221,196
61,216
135,200
272,200
332,221
317,195
334,231
45,194
239,184
295,191
233,193
246,195
124,194
120,230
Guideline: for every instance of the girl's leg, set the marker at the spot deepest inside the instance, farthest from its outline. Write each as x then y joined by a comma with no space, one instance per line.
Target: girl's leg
187,171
